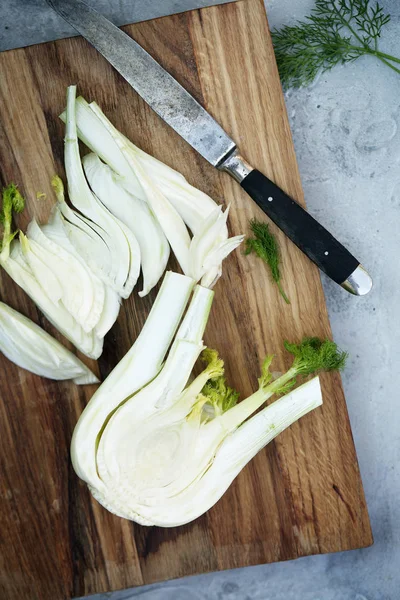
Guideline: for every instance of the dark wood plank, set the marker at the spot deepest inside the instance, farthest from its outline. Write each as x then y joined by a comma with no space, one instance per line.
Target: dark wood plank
303,493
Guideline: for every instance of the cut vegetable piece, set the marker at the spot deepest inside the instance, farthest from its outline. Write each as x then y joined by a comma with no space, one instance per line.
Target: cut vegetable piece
111,306
41,269
210,246
139,366
135,214
57,230
158,461
117,257
233,455
171,198
30,347
16,267
170,222
92,132
82,293
83,235
13,261
191,204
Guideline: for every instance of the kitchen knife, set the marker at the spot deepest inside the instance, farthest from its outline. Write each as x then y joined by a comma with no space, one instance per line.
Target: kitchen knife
188,118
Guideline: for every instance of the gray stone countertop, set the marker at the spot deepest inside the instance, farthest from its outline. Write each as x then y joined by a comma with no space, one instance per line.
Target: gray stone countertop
347,138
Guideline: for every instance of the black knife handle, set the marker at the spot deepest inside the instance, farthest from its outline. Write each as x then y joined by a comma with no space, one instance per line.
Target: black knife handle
311,237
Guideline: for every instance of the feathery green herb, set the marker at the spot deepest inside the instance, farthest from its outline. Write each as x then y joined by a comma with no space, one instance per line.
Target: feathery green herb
264,244
12,201
219,395
311,355
336,32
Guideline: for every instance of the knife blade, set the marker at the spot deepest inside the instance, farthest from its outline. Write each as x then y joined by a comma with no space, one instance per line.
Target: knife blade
191,121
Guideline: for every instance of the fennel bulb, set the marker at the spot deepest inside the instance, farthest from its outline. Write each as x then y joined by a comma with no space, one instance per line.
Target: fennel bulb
30,347
160,449
113,252
139,366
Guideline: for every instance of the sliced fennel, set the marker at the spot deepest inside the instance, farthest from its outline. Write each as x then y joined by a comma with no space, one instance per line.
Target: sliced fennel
88,343
135,214
195,208
57,230
171,223
160,449
191,204
169,196
169,219
210,246
81,293
113,251
30,347
13,261
99,134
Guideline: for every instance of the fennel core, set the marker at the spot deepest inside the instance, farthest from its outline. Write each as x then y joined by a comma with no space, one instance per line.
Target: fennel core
336,32
219,396
264,244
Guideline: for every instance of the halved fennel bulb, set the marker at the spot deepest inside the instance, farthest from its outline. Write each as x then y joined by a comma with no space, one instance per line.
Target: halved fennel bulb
159,448
139,366
30,347
110,248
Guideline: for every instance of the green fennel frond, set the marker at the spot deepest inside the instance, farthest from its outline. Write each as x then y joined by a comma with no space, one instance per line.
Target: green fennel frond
266,376
336,32
219,395
58,187
313,354
282,385
264,244
215,364
12,201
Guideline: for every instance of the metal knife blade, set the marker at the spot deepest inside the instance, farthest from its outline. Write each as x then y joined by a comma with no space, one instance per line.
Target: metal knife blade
192,122
157,87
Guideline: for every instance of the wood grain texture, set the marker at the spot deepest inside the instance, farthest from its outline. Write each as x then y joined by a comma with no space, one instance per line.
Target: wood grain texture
303,493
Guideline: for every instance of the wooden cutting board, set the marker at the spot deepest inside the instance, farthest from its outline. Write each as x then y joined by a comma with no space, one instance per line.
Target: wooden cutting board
303,493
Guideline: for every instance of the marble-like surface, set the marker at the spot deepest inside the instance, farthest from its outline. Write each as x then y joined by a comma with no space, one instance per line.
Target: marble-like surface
346,129
347,138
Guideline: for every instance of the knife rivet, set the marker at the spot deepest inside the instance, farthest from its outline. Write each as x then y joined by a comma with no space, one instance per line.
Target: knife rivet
270,198
326,253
